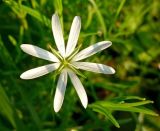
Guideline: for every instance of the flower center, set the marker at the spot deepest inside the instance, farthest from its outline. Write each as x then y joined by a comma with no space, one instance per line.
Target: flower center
64,62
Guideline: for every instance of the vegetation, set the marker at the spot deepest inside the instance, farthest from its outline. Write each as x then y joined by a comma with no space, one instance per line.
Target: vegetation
116,102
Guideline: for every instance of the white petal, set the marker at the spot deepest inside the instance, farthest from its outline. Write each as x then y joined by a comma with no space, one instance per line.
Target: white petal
94,67
91,50
58,34
39,71
39,52
60,91
79,88
73,36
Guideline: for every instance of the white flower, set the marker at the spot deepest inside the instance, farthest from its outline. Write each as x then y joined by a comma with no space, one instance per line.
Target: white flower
66,61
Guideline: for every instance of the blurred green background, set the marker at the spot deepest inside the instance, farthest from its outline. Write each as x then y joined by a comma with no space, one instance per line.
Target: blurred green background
133,26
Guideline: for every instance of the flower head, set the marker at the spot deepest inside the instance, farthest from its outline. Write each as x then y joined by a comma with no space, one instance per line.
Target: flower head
66,61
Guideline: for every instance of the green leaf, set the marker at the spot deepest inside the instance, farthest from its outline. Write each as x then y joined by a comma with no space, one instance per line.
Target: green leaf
106,112
123,98
136,109
5,55
5,107
117,105
132,107
100,17
106,107
12,40
117,14
14,5
7,110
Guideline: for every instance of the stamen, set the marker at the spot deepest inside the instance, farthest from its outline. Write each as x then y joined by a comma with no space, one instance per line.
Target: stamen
73,68
56,53
74,53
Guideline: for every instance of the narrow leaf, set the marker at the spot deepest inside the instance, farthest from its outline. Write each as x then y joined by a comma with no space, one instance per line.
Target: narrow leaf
106,112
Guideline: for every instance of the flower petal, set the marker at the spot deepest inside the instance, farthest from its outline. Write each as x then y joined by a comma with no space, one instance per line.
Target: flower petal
79,88
58,34
94,67
73,36
91,50
39,71
39,52
60,91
